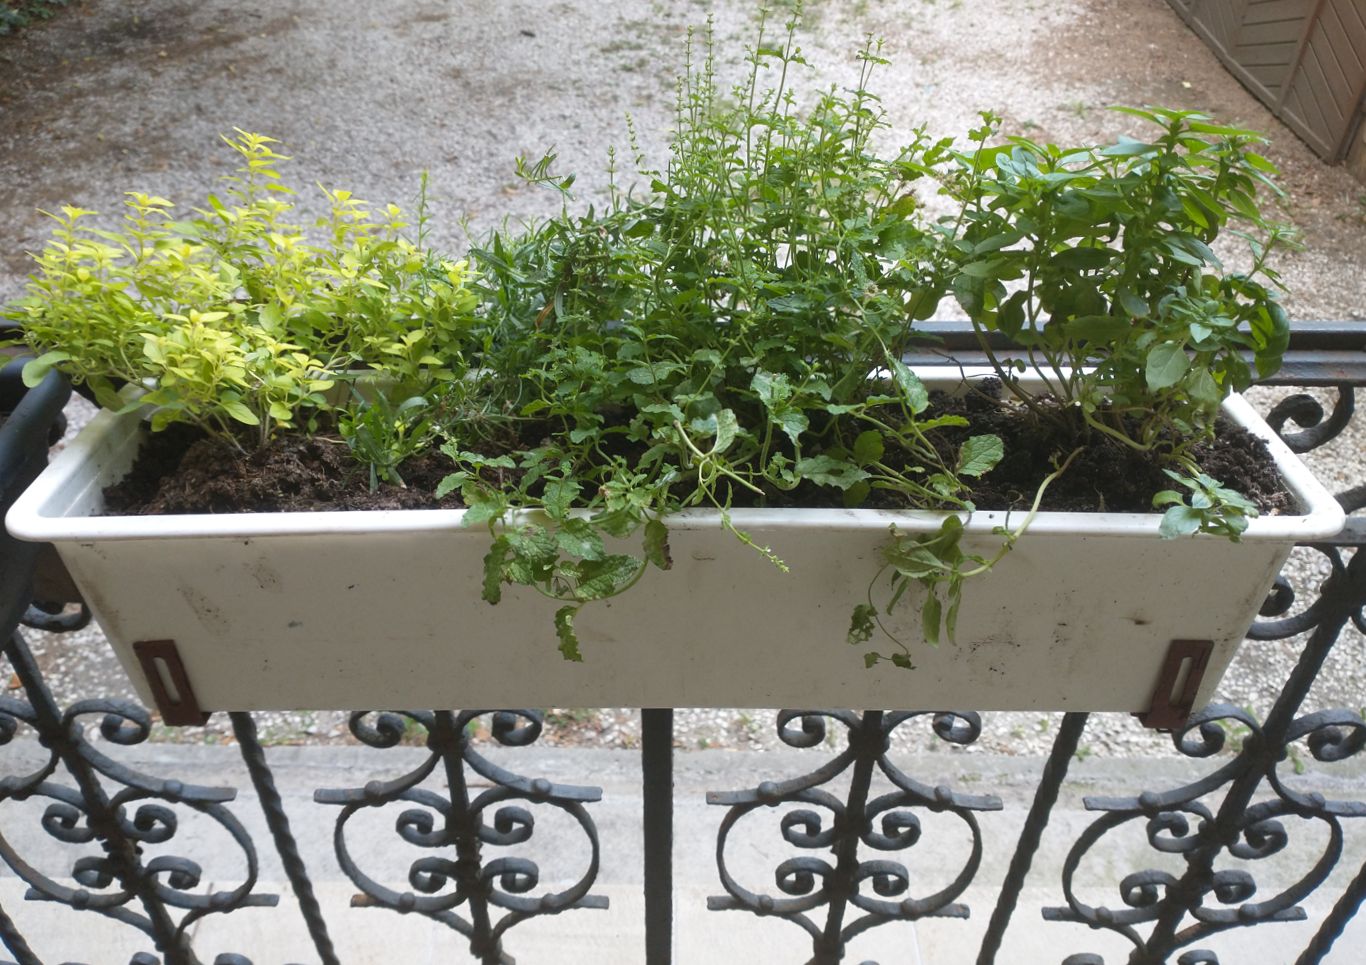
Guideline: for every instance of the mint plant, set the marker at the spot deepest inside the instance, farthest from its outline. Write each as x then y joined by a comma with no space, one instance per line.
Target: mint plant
1097,261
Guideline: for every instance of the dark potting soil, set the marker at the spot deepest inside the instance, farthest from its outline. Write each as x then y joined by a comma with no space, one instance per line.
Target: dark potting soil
181,471
1107,475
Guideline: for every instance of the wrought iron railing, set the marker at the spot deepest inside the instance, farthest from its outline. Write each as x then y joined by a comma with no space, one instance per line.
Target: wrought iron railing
851,876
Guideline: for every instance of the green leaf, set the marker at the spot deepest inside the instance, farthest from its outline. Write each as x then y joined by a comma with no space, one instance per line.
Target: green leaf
564,629
827,471
861,625
1195,212
1167,363
980,454
970,293
930,618
771,389
1010,317
855,495
1180,520
868,447
1134,305
481,505
35,370
657,544
723,426
240,412
980,269
450,484
599,579
793,422
790,304
951,615
917,397
577,537
1127,147
870,660
559,495
493,569
916,561
923,304
1203,389
1097,328
1166,497
997,242
902,207
536,547
1179,253
649,374
1083,259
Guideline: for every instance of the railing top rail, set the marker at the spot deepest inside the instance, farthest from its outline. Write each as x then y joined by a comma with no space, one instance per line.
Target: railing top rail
1321,353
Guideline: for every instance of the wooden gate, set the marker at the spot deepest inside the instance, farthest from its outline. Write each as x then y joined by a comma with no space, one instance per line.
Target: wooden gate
1305,59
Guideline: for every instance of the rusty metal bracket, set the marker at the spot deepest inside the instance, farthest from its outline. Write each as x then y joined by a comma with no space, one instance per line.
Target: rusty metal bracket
1177,684
171,690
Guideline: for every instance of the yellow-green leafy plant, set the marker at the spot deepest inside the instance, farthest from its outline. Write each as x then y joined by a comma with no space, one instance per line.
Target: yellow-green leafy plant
234,320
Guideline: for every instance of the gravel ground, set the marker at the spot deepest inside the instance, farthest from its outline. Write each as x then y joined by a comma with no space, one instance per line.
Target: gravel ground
114,96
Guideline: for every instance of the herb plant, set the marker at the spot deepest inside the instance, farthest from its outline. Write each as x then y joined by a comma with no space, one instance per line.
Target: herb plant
1098,263
713,341
234,318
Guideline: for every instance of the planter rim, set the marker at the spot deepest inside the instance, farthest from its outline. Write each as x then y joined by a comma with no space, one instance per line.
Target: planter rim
28,518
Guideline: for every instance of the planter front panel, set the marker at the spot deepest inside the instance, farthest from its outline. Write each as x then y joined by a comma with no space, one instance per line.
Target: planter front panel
386,621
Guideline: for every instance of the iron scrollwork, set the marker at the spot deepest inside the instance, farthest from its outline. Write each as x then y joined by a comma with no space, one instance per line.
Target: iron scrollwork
157,895
463,825
1317,428
1204,899
857,893
1179,822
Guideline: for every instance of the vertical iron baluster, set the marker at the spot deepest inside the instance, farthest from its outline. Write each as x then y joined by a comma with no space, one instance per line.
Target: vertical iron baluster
462,828
870,743
1200,861
103,819
1045,796
15,943
1331,929
657,778
887,824
254,756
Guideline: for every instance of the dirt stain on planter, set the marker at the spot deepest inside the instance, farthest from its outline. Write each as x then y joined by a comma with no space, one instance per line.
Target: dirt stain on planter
266,576
204,609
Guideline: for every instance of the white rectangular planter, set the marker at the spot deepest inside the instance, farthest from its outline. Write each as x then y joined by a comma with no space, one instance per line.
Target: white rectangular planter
381,609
